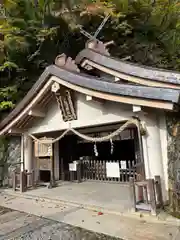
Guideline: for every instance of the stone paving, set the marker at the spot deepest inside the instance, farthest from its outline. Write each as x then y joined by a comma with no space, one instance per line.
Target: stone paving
110,196
21,226
61,218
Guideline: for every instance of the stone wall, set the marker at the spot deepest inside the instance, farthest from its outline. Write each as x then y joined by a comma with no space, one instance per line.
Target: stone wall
12,159
173,127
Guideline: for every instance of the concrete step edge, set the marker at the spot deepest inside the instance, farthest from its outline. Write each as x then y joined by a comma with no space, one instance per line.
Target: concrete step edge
131,214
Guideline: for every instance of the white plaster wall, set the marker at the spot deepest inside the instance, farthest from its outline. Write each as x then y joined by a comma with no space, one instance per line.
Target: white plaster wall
88,113
154,146
164,145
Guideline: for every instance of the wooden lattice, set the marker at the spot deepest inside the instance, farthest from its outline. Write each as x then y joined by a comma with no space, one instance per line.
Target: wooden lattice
43,148
44,163
65,101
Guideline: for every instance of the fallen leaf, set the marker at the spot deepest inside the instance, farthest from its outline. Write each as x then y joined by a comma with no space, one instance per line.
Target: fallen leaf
100,213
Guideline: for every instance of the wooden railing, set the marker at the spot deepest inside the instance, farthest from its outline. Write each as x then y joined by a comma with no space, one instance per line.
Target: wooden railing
96,170
146,195
23,180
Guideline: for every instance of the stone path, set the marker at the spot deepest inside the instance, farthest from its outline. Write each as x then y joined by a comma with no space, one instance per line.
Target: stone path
99,194
60,219
21,226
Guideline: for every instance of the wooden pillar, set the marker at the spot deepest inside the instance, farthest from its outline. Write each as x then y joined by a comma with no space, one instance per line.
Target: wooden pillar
22,181
28,153
132,194
14,180
52,180
79,172
152,196
22,152
33,179
62,170
159,191
56,160
139,162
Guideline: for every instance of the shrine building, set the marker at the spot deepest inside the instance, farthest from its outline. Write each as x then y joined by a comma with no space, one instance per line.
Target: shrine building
96,118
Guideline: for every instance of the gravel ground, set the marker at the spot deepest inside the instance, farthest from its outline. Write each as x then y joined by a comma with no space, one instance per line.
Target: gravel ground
22,226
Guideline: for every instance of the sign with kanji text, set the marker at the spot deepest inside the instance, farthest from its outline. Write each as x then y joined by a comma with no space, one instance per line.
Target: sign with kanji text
123,165
112,170
72,167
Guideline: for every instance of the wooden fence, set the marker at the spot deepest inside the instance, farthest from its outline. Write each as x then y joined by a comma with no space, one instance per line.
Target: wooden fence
146,195
96,170
23,180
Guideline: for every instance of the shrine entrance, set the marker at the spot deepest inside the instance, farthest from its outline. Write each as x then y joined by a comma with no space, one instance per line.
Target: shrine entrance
44,176
112,161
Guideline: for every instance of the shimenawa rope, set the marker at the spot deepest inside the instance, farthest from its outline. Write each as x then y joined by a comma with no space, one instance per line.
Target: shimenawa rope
88,138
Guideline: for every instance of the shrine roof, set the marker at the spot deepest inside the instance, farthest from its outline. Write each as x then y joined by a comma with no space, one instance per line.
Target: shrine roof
71,78
100,58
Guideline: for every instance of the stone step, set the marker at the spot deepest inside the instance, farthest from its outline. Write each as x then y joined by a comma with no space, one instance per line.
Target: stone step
19,226
10,216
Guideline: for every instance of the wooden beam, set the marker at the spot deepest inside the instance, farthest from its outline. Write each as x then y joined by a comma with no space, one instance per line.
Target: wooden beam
36,113
15,131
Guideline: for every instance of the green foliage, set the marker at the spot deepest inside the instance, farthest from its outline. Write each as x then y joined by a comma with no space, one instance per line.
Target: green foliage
146,31
8,65
27,29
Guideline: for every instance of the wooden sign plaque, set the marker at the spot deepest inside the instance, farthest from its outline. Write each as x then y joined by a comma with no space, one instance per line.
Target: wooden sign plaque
43,149
44,163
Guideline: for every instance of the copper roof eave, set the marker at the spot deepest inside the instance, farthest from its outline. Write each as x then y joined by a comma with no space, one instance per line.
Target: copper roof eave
130,69
160,104
129,78
166,98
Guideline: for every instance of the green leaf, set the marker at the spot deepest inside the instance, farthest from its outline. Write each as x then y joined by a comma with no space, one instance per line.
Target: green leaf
4,105
8,65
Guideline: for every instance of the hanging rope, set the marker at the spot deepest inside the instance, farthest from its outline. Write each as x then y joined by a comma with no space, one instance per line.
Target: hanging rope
88,138
49,141
108,137
112,146
95,150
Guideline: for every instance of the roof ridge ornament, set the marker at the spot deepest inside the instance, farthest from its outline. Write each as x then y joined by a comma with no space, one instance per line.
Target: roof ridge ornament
97,31
67,63
93,42
99,46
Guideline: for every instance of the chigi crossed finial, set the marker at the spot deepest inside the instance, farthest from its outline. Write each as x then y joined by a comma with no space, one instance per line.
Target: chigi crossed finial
88,35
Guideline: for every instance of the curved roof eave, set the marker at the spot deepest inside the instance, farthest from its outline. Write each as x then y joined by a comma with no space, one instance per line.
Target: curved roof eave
132,69
96,85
